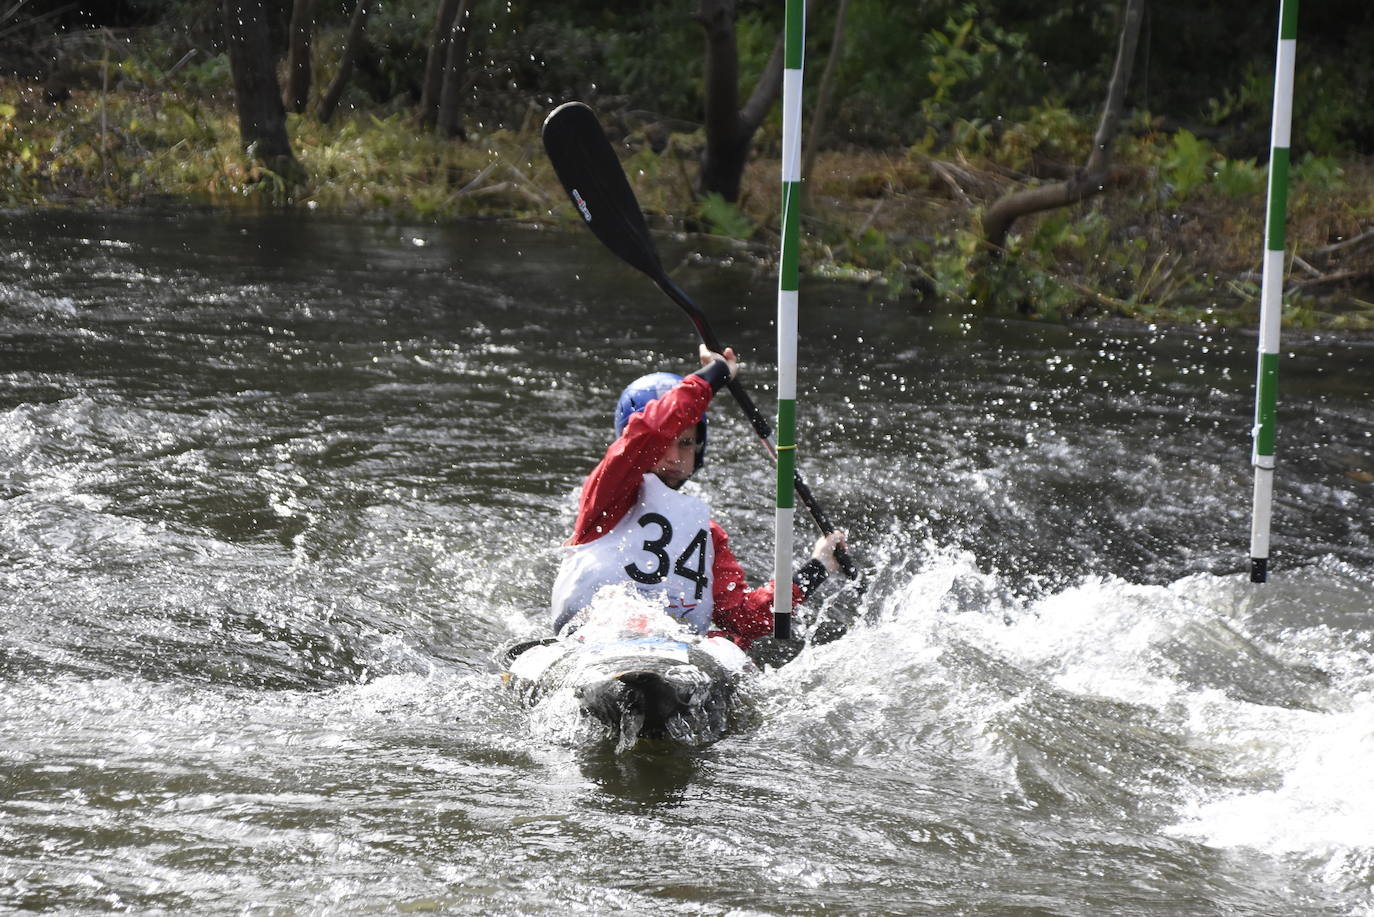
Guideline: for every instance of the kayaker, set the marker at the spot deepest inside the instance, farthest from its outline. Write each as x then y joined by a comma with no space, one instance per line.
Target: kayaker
635,527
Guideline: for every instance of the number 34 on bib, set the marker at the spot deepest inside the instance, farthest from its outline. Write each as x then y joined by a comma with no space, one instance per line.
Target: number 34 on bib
689,565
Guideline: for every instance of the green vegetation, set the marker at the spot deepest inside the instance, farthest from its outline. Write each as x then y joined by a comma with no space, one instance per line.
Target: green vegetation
943,108
131,148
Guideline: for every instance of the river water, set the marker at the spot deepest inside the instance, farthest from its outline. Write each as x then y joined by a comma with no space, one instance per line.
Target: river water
273,492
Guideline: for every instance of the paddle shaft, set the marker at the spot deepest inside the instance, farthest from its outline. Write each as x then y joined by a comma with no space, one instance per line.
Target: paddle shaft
754,415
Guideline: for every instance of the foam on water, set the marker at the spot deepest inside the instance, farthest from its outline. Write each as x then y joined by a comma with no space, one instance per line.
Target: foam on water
1197,701
1273,723
1321,806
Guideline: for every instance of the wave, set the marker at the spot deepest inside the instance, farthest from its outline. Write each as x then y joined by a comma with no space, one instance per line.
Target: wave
1216,712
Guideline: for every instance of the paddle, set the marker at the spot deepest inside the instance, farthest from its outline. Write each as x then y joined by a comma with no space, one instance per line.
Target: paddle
596,183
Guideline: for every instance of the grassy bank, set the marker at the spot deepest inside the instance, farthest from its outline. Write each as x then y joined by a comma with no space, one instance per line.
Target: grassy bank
1176,237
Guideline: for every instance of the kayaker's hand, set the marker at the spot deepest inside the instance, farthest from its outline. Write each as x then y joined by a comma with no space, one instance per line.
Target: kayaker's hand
731,363
824,551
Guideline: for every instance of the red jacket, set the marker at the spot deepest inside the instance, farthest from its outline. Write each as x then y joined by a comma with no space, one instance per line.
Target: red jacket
742,614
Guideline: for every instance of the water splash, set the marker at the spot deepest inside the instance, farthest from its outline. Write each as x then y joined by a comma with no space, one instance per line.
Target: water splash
1197,704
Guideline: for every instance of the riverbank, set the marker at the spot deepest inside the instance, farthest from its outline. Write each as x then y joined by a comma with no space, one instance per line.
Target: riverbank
1176,237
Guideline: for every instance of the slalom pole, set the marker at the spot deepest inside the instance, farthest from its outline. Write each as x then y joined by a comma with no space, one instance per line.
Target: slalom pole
794,37
1271,292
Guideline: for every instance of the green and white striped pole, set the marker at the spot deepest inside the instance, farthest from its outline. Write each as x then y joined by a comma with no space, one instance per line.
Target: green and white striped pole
1271,292
786,430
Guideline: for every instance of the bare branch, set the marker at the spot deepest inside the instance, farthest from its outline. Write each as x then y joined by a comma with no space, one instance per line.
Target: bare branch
1092,178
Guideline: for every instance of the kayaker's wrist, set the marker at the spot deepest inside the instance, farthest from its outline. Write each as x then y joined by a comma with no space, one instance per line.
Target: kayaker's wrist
716,373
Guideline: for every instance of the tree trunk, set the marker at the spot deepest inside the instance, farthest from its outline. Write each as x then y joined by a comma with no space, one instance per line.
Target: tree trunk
297,96
431,89
823,95
262,118
448,122
729,129
722,162
1092,178
356,28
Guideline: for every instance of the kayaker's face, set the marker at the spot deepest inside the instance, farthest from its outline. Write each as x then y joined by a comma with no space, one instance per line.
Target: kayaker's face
678,463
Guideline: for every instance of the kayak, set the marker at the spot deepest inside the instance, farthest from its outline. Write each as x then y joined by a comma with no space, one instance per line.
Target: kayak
635,672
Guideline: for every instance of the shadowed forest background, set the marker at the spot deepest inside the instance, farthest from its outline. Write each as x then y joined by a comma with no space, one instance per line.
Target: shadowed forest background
924,122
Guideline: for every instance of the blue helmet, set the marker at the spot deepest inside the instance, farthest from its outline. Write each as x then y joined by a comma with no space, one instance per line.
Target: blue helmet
645,389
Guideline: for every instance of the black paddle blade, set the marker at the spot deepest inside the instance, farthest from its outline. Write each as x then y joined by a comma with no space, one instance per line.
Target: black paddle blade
596,184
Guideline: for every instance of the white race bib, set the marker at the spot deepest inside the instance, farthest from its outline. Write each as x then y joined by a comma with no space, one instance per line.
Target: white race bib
662,546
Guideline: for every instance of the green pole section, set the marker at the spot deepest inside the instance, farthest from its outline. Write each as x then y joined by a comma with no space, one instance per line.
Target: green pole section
1271,293
786,430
